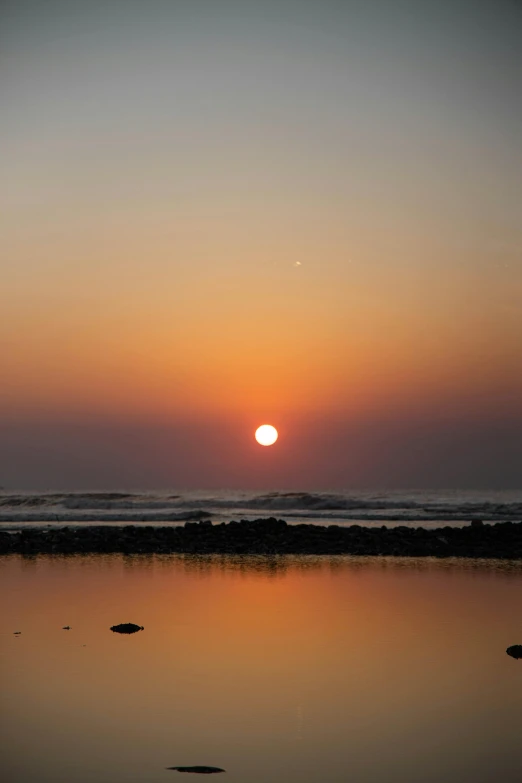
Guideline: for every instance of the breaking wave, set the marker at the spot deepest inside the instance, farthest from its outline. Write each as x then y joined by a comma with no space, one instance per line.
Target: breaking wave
318,507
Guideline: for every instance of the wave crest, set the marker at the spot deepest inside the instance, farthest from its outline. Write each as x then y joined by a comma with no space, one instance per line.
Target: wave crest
71,507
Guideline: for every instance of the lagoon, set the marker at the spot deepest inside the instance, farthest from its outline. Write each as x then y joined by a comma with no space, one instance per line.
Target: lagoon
290,669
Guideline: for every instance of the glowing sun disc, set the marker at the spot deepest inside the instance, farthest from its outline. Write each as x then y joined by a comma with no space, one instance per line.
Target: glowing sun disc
266,435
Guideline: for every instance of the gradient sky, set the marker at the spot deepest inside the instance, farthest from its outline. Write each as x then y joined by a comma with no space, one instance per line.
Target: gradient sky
217,214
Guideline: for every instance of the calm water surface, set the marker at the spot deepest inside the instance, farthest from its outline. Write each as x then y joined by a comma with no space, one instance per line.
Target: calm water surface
288,670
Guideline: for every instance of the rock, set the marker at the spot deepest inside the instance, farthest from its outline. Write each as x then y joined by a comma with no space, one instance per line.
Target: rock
515,651
126,628
6,542
201,770
17,633
66,628
274,536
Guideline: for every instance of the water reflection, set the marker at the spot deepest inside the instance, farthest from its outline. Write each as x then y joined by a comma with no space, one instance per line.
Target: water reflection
292,669
276,564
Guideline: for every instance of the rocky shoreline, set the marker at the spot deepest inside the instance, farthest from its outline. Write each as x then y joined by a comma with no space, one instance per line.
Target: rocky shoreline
272,537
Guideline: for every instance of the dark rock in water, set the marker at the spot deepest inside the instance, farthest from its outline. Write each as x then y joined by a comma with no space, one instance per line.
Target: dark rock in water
272,536
201,770
126,628
6,542
515,651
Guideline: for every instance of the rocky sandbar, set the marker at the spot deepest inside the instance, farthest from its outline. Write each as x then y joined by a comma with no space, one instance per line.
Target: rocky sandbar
273,536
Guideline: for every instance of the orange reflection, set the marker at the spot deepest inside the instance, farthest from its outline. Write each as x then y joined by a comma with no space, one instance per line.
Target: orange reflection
258,666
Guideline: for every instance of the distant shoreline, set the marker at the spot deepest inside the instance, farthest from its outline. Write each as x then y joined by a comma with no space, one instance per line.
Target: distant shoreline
271,536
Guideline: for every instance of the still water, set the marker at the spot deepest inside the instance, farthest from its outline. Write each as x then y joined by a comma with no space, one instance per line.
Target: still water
287,670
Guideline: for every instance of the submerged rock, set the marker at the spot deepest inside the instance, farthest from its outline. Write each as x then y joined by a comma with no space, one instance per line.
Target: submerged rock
201,770
515,651
126,628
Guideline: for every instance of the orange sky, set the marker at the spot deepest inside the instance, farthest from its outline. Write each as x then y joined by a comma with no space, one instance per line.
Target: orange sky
238,223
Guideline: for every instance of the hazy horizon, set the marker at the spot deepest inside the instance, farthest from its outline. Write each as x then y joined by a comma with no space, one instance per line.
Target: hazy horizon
223,214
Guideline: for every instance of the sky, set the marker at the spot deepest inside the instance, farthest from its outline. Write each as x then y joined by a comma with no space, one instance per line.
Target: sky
217,214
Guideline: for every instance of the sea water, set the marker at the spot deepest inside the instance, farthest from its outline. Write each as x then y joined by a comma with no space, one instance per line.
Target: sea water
427,508
278,670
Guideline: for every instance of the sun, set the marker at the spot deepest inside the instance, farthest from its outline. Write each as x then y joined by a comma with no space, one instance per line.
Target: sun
266,435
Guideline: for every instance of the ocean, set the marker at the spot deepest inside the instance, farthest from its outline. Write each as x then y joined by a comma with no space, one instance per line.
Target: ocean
171,507
304,669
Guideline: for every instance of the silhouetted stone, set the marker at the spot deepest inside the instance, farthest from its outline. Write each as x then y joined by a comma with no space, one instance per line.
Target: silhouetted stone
201,770
126,628
6,542
271,536
515,651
